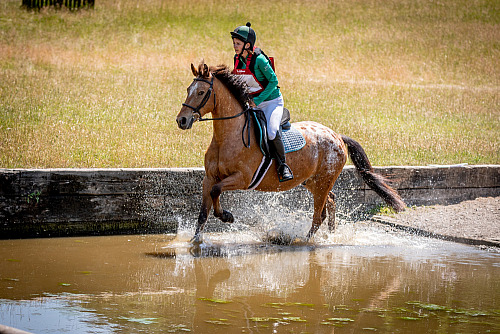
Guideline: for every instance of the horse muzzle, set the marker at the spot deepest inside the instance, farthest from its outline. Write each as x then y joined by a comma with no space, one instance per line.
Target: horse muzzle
185,123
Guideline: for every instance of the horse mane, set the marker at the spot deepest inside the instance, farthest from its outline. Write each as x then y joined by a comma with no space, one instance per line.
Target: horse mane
236,86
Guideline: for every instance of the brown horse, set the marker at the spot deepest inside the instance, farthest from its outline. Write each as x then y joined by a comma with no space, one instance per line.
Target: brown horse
230,164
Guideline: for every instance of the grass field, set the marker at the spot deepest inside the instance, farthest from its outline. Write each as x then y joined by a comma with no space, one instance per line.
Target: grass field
416,82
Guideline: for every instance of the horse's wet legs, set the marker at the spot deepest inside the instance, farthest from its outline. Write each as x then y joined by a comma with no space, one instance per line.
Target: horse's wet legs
223,215
206,206
202,219
233,182
331,207
312,231
318,216
323,203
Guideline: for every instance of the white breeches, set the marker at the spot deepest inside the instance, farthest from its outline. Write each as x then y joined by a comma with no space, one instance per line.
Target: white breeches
273,110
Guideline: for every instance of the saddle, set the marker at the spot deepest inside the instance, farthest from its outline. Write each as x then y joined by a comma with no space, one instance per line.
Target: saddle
293,140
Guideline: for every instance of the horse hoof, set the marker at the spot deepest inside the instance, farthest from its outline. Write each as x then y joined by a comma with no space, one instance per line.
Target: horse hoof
298,241
277,237
195,250
227,217
196,240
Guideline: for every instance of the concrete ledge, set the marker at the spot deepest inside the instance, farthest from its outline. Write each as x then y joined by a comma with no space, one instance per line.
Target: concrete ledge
62,202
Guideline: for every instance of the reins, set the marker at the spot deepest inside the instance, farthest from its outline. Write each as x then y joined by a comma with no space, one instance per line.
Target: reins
245,111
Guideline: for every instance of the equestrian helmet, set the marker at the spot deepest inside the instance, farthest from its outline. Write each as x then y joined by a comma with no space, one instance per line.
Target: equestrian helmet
245,34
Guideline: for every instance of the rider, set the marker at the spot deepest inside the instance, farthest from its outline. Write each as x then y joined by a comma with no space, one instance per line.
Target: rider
263,84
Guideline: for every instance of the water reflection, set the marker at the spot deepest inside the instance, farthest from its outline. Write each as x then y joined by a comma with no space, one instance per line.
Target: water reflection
371,280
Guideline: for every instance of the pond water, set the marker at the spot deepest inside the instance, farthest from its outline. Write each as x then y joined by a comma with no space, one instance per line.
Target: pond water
362,279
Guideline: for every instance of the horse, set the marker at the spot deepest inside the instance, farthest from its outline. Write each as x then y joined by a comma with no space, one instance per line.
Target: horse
230,162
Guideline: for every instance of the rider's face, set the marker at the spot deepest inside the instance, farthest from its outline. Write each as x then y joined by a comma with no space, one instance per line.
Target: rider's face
238,46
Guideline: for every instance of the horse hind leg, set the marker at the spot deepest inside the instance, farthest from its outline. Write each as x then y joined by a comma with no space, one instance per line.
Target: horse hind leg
322,204
332,208
328,211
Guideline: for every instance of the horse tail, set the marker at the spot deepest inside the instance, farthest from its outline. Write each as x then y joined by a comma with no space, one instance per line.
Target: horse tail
375,181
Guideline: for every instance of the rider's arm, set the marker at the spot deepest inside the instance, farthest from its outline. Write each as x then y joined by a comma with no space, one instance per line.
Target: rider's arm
263,66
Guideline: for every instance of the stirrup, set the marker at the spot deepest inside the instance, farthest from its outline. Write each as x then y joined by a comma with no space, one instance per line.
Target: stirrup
285,173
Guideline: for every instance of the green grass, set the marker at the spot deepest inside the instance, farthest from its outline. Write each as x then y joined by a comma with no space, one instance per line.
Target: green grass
415,82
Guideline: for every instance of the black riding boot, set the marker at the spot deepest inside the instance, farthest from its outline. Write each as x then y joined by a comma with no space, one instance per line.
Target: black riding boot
278,151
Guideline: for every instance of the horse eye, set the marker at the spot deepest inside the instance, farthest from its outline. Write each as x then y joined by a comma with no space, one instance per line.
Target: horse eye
201,92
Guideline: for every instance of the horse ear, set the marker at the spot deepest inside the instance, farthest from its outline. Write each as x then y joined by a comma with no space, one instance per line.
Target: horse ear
193,69
206,71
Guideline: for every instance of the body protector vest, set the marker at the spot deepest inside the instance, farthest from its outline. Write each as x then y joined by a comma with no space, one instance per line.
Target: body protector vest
247,71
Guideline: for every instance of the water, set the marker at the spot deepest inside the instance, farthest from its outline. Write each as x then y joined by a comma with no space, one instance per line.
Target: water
362,279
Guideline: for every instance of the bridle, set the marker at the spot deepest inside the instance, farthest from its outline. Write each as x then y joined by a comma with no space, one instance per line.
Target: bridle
205,98
196,110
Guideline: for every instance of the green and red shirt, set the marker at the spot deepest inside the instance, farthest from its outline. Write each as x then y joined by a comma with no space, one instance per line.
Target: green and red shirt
262,81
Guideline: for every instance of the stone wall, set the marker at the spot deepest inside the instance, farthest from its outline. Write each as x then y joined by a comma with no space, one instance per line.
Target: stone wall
64,202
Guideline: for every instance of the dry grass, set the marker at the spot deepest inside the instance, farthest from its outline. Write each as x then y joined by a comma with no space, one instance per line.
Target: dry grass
416,82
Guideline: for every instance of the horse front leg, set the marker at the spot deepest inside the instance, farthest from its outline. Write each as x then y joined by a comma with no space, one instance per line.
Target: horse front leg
211,195
234,181
223,215
206,206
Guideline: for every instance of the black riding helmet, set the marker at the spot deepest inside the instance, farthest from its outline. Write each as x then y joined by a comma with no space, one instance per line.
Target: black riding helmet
245,34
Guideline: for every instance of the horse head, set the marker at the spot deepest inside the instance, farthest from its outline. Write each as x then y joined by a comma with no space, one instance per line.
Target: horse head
199,93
